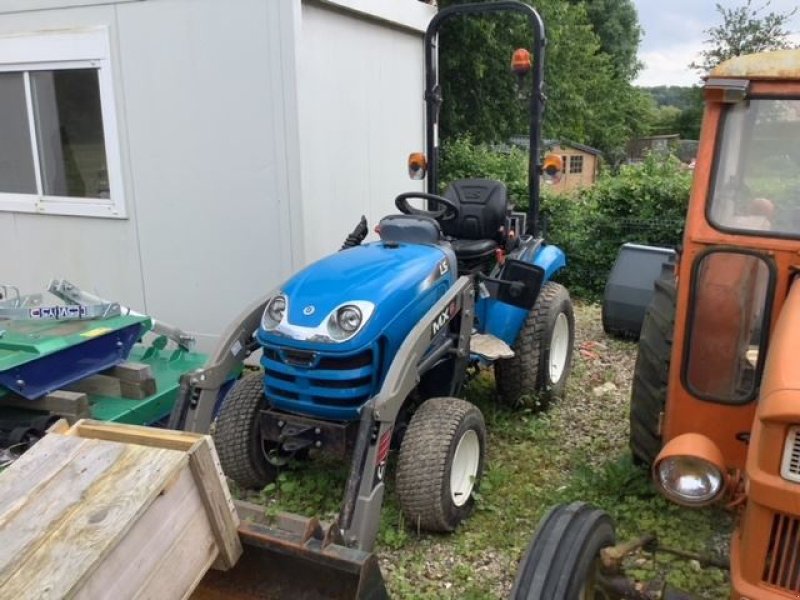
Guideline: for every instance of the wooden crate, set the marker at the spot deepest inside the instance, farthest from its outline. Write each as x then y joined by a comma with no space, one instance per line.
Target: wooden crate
103,510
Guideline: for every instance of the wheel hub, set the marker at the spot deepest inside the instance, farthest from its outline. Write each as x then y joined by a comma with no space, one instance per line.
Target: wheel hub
559,346
464,469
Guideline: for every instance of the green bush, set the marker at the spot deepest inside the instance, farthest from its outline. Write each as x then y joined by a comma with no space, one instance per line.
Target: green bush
461,159
644,203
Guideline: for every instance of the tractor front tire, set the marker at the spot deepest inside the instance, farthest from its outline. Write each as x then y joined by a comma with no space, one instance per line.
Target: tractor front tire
440,464
651,373
237,434
563,557
542,359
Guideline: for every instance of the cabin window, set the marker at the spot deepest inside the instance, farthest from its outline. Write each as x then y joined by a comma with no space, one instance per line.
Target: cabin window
728,325
59,153
576,164
756,186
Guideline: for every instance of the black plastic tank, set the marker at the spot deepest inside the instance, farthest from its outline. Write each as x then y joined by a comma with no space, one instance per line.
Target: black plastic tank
630,287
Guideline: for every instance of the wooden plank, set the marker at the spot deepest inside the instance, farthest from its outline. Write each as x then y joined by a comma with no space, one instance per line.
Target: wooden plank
136,434
77,544
132,372
131,385
72,405
208,476
32,472
27,526
167,546
100,385
104,510
60,426
170,582
137,390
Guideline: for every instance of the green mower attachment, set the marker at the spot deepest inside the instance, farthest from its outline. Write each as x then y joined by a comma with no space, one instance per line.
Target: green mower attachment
83,358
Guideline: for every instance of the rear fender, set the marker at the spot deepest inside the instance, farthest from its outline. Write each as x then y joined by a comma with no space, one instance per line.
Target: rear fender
505,321
550,258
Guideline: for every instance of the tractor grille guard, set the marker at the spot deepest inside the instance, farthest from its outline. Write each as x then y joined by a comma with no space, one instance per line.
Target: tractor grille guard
322,384
782,563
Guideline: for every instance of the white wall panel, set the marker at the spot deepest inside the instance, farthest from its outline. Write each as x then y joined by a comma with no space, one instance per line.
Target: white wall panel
208,164
361,114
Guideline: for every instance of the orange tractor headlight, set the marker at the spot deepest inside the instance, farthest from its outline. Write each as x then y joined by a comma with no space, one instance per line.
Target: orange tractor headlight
690,471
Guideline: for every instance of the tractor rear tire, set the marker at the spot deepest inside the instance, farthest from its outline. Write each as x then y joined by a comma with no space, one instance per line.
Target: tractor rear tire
542,359
237,434
440,464
562,559
651,373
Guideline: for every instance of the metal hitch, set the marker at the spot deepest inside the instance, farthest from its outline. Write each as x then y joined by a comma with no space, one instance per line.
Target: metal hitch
294,433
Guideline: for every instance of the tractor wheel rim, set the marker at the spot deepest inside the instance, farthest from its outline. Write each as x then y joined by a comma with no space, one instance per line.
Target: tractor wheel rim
464,469
559,345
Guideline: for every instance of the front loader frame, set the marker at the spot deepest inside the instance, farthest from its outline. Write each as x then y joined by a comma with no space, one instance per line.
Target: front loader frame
357,524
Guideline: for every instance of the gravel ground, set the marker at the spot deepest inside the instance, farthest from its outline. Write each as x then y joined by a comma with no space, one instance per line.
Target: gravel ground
588,426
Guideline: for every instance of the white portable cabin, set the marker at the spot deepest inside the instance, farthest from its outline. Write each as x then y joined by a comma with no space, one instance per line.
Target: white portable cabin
184,156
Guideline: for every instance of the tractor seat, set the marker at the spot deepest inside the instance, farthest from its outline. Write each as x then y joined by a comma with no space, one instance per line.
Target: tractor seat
476,232
473,249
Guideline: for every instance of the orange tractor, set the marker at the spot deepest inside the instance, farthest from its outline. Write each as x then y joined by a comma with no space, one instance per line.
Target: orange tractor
715,408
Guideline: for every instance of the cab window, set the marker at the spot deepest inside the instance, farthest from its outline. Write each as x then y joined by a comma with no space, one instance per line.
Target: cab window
757,170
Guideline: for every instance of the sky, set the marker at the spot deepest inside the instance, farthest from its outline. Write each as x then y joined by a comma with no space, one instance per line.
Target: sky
673,35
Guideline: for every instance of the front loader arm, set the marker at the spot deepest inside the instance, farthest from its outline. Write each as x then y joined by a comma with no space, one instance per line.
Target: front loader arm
360,516
199,390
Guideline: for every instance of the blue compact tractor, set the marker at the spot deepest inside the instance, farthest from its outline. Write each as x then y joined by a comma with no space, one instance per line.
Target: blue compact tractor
367,350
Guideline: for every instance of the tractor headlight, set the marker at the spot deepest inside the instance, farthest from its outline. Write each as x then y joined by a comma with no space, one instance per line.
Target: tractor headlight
690,470
689,480
348,319
274,312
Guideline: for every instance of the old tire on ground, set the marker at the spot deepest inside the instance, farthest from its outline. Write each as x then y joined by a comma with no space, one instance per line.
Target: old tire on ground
651,373
542,353
440,464
562,559
237,435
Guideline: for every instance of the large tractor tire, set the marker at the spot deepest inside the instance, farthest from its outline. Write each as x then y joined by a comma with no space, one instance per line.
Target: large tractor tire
237,435
651,373
563,557
542,353
440,464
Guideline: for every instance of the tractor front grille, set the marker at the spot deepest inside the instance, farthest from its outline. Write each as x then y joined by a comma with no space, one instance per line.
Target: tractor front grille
790,465
782,564
317,383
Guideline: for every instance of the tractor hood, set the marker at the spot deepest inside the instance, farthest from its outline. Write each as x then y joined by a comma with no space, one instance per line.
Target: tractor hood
383,279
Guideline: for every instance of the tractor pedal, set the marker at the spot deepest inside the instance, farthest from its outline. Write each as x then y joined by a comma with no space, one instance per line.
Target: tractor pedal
489,347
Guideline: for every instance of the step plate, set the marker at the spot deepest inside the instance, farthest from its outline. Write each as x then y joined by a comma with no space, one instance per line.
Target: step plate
489,347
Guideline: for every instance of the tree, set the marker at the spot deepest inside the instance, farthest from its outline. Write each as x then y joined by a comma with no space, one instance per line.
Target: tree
587,101
675,110
616,24
744,30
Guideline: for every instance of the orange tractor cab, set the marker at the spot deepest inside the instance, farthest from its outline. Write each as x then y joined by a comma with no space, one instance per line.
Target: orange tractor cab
715,406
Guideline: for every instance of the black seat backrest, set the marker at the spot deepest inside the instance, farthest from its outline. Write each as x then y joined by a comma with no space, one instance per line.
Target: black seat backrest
483,209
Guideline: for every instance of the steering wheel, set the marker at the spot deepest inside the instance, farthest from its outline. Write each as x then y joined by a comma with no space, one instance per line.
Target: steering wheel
449,209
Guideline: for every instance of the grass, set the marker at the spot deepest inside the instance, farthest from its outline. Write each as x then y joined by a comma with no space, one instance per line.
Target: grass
576,451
